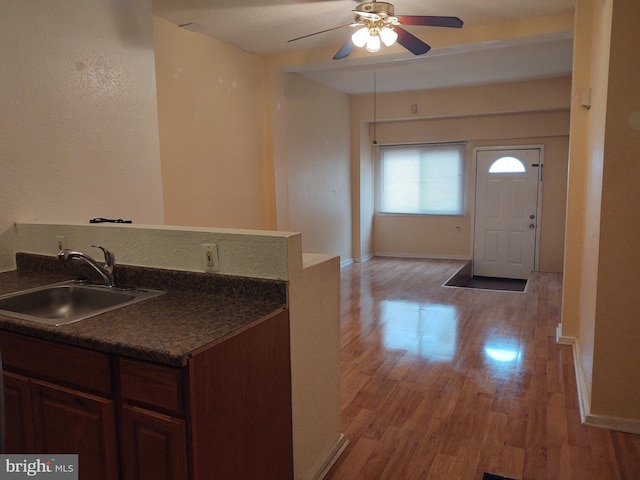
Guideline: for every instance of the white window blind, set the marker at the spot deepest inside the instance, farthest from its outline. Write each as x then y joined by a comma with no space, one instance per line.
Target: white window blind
422,179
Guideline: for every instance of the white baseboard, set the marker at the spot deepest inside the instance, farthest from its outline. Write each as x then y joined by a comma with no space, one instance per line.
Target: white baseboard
366,258
584,402
426,257
562,339
346,263
325,465
612,423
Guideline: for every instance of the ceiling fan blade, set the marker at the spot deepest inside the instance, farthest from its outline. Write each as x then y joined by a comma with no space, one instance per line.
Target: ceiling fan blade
345,50
411,42
429,21
316,33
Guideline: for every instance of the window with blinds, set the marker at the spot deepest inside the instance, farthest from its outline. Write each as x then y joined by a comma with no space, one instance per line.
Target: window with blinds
422,179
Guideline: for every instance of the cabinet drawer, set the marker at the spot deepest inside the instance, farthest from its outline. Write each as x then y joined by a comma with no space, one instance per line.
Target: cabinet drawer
152,385
70,366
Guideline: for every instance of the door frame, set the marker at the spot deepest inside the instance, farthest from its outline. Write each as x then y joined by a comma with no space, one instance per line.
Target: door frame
474,165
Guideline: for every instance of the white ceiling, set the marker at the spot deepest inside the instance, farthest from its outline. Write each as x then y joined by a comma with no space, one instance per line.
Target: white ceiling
263,27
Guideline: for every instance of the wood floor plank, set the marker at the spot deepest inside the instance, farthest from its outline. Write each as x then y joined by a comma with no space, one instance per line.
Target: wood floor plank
359,452
627,452
446,383
536,441
386,448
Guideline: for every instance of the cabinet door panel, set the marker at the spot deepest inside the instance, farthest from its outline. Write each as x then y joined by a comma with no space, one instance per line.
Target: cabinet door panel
19,424
67,421
153,446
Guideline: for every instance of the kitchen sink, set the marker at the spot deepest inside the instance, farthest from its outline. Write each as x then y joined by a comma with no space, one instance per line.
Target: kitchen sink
69,302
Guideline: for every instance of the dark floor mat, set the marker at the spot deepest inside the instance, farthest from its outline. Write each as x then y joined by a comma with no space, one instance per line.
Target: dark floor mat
490,283
462,279
491,476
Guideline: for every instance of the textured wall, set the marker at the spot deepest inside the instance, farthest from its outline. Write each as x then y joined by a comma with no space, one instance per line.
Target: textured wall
78,120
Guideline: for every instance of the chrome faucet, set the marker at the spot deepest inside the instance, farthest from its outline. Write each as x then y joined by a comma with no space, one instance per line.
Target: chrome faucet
107,270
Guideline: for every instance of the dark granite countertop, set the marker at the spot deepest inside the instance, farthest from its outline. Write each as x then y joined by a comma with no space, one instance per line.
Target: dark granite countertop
196,312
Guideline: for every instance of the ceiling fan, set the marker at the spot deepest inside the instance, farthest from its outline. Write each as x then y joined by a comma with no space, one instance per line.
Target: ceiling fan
378,23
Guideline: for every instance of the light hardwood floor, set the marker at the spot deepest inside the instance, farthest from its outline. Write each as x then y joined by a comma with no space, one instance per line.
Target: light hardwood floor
446,383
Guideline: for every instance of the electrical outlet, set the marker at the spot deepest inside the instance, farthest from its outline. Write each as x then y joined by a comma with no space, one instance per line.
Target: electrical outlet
211,260
61,242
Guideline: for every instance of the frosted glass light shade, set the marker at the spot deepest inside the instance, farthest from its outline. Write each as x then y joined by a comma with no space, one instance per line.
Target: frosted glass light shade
373,43
388,36
360,37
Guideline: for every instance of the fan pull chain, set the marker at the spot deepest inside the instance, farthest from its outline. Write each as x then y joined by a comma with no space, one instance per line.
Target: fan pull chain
375,102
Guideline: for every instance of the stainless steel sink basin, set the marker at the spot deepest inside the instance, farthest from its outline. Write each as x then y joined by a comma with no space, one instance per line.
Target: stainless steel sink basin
68,302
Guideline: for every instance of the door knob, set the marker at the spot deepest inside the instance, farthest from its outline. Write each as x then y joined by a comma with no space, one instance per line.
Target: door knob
532,225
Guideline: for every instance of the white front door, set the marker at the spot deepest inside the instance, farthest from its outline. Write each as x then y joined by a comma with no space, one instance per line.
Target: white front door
506,212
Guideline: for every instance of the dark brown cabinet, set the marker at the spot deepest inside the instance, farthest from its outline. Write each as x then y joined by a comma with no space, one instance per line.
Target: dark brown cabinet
19,420
55,405
226,414
67,421
153,445
152,425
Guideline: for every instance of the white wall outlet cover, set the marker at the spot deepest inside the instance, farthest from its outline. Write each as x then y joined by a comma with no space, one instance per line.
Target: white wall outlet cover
211,259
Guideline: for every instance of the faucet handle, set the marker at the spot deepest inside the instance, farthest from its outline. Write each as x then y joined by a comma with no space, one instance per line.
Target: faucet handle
64,254
109,258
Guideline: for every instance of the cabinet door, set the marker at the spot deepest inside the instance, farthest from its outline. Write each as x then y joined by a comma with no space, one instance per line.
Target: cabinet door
67,421
19,424
154,446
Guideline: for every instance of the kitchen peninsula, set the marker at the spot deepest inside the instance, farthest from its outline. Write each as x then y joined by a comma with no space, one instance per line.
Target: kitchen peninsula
201,382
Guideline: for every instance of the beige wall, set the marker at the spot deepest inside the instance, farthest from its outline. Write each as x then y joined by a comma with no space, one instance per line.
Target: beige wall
78,118
616,389
519,113
211,109
600,308
578,154
314,305
310,135
243,146
362,184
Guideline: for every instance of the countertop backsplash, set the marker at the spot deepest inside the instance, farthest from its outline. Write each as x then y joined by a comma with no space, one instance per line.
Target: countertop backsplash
160,279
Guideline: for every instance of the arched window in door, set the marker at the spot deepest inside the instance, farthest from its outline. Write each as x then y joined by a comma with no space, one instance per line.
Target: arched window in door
507,165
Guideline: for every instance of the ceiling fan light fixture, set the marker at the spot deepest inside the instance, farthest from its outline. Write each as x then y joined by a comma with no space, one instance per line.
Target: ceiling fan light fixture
373,43
388,36
377,23
360,37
